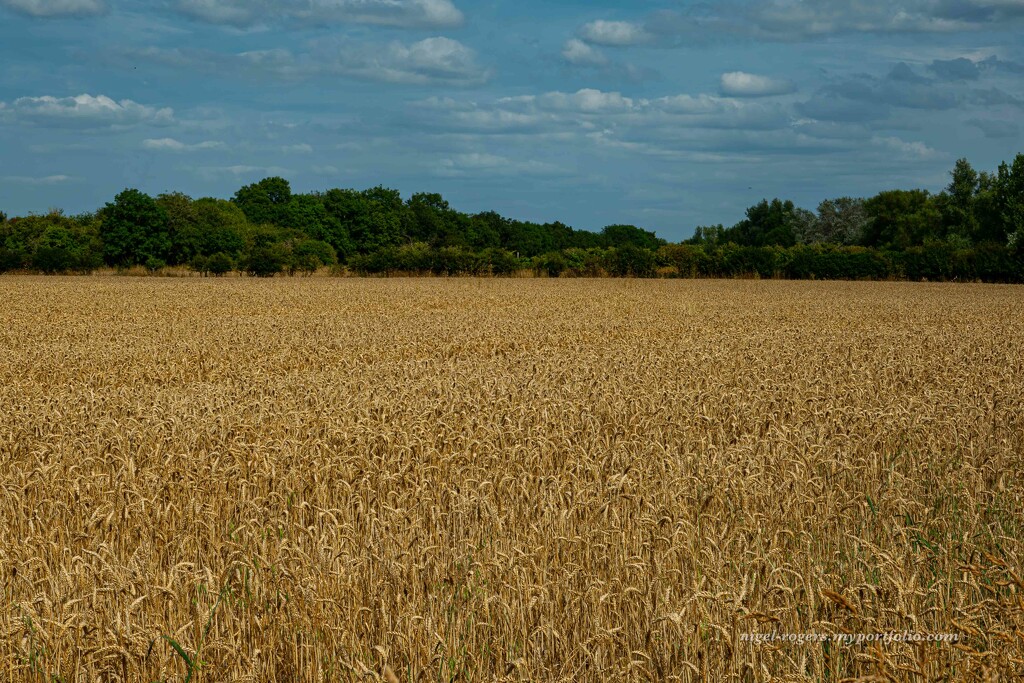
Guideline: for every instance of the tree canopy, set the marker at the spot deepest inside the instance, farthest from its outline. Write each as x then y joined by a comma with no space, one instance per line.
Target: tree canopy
972,228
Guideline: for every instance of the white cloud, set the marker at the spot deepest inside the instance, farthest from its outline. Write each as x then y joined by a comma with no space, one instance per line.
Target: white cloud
826,17
691,105
400,13
435,60
614,33
809,18
590,110
301,148
246,170
172,145
579,53
220,11
87,111
477,164
801,20
742,84
909,150
56,8
46,180
327,170
431,59
587,101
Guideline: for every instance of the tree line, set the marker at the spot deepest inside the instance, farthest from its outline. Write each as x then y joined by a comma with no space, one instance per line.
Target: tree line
972,230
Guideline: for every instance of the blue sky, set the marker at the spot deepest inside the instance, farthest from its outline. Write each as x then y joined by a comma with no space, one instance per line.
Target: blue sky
664,114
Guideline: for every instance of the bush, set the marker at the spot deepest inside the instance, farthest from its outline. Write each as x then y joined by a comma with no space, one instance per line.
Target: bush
52,260
630,261
266,261
308,256
552,264
455,261
219,264
155,265
417,257
501,262
200,264
685,259
11,259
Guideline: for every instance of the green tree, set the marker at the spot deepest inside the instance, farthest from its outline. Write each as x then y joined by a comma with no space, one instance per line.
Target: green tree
55,251
371,219
839,221
901,219
430,219
630,235
961,223
770,223
182,226
133,228
266,201
710,235
222,227
485,230
1010,201
526,239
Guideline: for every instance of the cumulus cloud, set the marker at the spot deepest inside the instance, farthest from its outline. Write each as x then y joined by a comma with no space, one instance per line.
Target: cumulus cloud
476,164
56,8
742,84
435,60
86,111
801,20
676,127
807,18
907,149
588,101
591,111
614,33
243,170
172,145
400,13
580,53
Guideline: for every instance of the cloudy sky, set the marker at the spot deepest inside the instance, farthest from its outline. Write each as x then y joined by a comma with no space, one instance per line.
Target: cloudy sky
659,113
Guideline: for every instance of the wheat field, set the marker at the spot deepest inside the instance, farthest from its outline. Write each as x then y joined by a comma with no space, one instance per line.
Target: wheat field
508,480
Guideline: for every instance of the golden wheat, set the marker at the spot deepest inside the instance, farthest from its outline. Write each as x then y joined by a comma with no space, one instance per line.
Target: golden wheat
480,480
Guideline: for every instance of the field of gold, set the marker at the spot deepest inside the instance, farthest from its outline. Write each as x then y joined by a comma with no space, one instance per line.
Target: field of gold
518,480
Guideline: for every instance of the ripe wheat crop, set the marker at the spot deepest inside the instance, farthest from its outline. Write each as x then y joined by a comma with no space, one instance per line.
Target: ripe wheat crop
494,480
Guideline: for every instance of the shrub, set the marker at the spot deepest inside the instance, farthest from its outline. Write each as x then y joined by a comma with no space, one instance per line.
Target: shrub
552,264
266,261
52,260
154,265
501,262
200,264
219,264
630,261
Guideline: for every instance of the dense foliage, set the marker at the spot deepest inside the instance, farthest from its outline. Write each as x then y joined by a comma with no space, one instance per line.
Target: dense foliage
972,230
